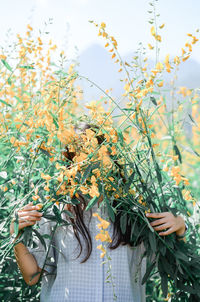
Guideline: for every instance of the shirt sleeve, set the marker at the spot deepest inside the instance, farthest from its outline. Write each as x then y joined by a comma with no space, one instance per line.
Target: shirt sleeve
44,252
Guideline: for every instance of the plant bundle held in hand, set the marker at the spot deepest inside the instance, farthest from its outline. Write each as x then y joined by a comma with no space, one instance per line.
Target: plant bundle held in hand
55,155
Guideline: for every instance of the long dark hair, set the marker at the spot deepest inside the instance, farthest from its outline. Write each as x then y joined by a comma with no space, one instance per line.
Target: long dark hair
79,226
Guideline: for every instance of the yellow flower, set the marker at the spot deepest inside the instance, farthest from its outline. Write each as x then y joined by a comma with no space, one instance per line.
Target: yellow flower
150,46
158,38
103,25
45,176
60,177
36,197
29,27
104,224
185,58
183,51
165,168
160,84
39,206
2,57
100,247
194,40
159,66
103,236
177,60
161,26
94,191
153,32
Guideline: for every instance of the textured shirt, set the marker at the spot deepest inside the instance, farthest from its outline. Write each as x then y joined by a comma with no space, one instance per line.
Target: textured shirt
66,279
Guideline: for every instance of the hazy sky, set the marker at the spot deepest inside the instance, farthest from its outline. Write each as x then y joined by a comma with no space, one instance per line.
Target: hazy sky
127,21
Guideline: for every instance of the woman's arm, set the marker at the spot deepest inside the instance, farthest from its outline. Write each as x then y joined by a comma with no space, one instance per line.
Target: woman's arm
26,262
166,223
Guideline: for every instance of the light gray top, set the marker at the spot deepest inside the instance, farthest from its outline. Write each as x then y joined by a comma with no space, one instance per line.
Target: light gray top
69,280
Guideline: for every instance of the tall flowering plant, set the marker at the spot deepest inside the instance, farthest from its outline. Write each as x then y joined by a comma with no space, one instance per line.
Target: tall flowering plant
133,162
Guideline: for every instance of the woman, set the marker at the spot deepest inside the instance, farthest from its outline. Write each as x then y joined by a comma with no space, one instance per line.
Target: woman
80,278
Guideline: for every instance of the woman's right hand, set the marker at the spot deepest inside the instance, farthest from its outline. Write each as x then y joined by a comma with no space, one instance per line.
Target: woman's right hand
28,215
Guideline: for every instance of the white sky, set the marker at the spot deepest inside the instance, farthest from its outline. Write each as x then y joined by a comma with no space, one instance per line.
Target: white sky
127,21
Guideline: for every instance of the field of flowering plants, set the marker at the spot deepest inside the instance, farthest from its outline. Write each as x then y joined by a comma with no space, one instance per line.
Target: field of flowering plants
144,158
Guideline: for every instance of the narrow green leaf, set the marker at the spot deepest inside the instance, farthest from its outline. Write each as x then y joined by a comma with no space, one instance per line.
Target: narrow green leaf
88,170
5,103
26,67
40,238
153,100
6,65
164,284
54,120
193,121
178,153
92,202
57,213
110,210
123,223
16,224
148,272
68,213
152,241
159,175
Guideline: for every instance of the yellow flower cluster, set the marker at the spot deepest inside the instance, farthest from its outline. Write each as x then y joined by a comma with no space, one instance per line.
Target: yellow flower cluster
103,235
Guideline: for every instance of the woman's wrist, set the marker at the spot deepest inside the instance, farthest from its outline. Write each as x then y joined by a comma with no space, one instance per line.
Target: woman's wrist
180,233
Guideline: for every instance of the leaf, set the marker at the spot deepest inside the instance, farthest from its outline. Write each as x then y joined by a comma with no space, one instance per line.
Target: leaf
148,272
159,175
16,224
92,202
45,152
18,99
152,241
26,67
5,103
130,180
110,211
193,121
54,120
6,65
178,153
40,238
88,170
164,284
121,138
153,100
182,256
9,81
57,213
123,223
34,275
68,213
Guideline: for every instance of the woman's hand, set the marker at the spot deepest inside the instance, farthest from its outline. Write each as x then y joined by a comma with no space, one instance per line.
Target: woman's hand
28,215
166,223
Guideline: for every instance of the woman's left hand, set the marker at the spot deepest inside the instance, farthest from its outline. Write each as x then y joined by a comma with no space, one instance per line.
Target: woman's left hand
167,223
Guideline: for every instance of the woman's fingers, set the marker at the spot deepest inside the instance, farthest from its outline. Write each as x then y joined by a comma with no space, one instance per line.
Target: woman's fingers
28,207
157,215
168,232
158,222
29,218
162,227
30,213
27,223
